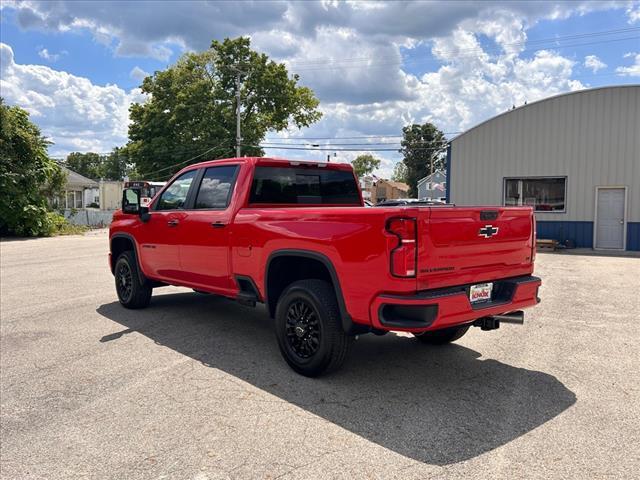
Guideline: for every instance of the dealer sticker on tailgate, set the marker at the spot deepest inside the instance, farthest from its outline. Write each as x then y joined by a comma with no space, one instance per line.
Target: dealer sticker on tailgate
480,292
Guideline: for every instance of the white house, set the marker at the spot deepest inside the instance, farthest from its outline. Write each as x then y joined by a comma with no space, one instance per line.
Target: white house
79,191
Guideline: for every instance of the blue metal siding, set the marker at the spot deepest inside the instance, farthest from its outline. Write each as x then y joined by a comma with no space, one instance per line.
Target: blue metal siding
579,232
633,236
582,233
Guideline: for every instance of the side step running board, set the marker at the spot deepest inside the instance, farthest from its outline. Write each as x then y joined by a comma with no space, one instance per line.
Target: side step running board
247,298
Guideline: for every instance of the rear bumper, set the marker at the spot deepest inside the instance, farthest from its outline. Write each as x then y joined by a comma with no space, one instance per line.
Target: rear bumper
445,307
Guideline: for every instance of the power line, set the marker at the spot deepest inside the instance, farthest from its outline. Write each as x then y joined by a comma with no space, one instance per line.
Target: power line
334,144
186,161
363,144
347,138
320,149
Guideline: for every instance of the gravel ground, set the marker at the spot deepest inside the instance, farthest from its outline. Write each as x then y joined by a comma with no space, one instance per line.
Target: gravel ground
194,386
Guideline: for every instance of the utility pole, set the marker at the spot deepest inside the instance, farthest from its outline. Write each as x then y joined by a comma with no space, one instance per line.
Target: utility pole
238,133
431,168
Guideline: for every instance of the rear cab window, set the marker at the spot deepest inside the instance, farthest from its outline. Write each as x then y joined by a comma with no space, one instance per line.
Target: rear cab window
304,186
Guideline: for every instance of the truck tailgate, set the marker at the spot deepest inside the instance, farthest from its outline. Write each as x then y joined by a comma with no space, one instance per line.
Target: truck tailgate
461,245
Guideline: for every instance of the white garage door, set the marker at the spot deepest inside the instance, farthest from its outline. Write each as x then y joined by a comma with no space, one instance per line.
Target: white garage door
610,219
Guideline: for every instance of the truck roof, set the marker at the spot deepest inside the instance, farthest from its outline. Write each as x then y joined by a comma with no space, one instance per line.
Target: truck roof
272,162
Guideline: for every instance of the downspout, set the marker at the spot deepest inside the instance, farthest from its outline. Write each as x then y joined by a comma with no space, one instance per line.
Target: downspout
448,192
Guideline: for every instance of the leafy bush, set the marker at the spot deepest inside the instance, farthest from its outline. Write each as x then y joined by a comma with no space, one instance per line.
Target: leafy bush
60,226
28,177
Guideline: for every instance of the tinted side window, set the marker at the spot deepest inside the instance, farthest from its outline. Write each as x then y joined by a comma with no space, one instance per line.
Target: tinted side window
175,196
304,186
216,187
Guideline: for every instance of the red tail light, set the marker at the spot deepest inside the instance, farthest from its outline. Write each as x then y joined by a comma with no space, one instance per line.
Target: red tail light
534,238
404,254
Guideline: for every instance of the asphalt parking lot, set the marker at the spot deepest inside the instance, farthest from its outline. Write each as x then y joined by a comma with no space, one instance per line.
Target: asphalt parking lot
194,386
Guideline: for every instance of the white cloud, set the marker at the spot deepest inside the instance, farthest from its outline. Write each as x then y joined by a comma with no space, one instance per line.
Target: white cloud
632,70
349,53
464,91
593,63
633,12
371,74
138,74
50,57
147,28
73,112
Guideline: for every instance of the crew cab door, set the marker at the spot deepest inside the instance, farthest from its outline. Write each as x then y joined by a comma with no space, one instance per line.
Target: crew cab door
204,249
159,238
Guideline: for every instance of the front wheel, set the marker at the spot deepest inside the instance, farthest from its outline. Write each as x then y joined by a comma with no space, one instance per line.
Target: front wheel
309,330
441,337
131,293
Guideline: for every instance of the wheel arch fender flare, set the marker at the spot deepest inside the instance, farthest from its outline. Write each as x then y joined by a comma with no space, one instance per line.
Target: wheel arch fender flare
347,322
130,238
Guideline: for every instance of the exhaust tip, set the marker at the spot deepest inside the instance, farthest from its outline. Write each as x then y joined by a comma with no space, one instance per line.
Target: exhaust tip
516,317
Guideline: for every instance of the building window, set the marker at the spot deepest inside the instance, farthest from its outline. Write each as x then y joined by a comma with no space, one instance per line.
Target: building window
70,199
543,194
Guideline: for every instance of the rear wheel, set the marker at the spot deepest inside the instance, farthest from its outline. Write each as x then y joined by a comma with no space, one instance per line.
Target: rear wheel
309,330
441,337
131,293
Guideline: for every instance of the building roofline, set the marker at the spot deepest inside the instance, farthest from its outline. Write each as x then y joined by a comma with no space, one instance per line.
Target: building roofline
82,180
553,97
423,179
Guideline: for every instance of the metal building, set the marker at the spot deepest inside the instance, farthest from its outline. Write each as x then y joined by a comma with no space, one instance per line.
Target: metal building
574,157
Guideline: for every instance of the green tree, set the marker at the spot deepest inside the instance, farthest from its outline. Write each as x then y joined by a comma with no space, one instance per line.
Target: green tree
423,148
399,172
365,164
191,107
115,166
86,164
28,177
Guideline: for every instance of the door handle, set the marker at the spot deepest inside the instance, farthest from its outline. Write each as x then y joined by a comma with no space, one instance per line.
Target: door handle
218,225
173,223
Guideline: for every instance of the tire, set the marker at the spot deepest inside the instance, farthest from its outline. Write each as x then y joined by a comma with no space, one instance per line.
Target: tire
444,336
309,330
131,293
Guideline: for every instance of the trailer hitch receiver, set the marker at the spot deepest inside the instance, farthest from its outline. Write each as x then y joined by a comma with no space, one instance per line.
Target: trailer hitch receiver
493,322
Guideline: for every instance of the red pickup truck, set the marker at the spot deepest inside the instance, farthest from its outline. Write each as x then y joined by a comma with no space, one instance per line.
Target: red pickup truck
297,237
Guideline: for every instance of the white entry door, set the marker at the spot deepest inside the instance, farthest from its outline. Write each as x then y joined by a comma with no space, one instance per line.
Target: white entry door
610,221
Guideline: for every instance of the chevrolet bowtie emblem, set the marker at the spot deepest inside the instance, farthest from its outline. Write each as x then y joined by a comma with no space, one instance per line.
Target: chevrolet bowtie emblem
488,231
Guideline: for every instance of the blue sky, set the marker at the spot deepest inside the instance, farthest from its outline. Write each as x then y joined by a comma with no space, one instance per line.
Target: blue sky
375,67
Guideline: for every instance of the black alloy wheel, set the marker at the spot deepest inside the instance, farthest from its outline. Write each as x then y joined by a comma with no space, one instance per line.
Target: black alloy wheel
309,329
303,329
124,283
133,289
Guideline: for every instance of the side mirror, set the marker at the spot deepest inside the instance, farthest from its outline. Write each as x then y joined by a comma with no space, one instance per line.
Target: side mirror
130,200
144,214
131,204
